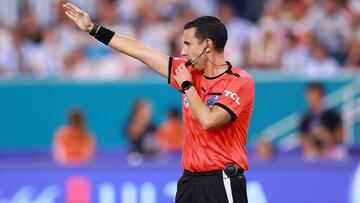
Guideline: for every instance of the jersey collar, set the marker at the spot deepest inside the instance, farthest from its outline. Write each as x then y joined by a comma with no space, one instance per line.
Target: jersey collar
228,71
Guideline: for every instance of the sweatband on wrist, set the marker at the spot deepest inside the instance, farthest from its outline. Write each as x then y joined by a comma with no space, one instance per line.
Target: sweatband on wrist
104,35
94,30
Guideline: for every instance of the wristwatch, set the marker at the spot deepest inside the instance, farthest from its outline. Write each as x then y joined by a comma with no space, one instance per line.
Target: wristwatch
186,85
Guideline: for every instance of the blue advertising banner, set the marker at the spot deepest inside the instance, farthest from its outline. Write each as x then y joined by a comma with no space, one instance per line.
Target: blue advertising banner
274,182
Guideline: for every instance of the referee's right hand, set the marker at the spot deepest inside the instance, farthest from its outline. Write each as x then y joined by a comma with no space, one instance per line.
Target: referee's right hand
154,59
80,17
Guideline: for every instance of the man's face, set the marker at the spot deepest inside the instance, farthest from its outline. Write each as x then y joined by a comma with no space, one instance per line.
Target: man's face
330,6
314,98
193,48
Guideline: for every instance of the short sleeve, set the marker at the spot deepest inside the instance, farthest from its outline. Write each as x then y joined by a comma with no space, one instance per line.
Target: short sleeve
237,97
331,120
174,62
304,124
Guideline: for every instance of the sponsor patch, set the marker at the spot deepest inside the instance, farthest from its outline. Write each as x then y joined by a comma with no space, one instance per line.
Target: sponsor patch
212,100
233,96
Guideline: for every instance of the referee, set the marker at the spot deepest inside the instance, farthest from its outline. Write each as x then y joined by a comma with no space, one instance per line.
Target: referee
217,104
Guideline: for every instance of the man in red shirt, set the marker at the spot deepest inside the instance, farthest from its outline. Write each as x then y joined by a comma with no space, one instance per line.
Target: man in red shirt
217,103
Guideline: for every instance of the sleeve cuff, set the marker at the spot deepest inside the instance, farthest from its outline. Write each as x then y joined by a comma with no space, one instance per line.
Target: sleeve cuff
232,114
169,69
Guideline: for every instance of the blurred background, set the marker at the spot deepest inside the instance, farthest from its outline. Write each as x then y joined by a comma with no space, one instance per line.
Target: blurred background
82,123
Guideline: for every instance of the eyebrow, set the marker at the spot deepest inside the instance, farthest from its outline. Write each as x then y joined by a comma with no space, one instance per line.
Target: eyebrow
187,43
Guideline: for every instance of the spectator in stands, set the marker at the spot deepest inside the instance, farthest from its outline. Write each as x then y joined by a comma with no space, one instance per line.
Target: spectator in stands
176,42
9,57
294,54
154,31
319,63
239,30
140,130
264,150
321,129
265,46
72,143
333,29
99,56
170,133
353,60
313,13
48,46
38,58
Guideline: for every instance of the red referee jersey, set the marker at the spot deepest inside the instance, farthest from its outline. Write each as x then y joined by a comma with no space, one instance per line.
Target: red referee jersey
233,91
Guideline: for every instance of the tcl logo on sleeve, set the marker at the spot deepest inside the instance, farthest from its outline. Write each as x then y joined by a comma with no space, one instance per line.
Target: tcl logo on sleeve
233,96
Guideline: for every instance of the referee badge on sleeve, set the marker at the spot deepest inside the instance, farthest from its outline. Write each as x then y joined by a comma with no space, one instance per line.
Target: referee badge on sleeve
186,101
212,100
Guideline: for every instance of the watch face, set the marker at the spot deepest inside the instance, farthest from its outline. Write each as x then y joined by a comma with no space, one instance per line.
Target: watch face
186,85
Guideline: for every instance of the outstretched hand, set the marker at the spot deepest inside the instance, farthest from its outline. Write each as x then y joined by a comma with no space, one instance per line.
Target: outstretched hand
80,17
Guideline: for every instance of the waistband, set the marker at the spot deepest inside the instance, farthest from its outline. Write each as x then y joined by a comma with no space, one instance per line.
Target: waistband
210,173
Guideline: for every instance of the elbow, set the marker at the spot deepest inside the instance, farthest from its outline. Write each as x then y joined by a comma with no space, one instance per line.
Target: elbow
207,124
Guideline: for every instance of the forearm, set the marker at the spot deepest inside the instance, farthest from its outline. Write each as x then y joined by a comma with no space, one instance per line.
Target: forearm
123,44
198,108
153,59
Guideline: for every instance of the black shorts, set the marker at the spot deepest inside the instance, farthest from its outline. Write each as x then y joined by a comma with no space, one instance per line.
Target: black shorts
211,187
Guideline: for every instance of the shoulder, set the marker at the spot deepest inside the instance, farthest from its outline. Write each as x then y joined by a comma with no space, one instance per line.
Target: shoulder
176,60
243,74
241,77
62,129
305,117
62,132
331,113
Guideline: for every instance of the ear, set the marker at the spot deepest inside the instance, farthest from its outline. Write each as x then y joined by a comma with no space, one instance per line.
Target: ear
208,45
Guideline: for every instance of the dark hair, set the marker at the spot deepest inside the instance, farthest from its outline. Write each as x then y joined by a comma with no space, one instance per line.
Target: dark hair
76,118
316,86
209,27
173,113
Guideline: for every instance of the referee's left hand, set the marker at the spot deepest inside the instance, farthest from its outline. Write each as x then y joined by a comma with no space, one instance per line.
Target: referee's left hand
182,74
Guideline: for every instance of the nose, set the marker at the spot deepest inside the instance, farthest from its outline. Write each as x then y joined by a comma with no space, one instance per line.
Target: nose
184,52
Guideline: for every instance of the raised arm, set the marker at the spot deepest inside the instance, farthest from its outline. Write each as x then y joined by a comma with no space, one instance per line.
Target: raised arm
156,60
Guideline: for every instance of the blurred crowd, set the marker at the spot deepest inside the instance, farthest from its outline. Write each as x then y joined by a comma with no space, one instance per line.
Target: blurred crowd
321,131
310,37
74,143
321,134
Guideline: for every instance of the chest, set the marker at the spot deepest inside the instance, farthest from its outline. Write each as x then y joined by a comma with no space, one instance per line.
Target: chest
209,91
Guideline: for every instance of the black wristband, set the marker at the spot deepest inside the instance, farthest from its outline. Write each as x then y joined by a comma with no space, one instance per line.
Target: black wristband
104,35
94,30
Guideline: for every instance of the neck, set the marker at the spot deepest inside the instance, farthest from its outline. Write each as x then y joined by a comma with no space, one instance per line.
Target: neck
216,65
318,109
